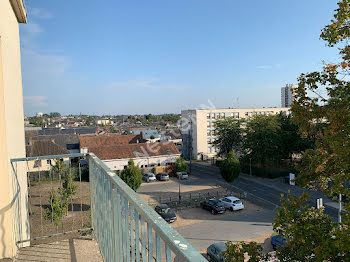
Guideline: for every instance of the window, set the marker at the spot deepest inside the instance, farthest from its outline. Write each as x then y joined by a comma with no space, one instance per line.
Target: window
48,162
208,116
125,167
158,164
141,166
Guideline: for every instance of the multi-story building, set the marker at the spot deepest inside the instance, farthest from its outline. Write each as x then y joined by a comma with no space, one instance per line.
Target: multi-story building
287,95
13,202
197,127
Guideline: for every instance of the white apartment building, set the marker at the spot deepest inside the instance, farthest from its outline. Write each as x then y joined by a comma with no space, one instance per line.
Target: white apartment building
197,127
287,95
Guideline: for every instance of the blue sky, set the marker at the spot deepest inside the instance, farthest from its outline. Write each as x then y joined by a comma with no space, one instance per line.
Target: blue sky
163,56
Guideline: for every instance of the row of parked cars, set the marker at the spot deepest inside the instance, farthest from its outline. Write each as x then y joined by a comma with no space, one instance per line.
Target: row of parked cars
150,177
219,206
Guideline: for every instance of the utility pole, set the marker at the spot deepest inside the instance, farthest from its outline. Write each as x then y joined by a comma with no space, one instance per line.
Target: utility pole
179,191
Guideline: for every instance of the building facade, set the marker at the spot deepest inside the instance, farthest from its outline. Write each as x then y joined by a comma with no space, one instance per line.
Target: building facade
13,190
197,128
287,95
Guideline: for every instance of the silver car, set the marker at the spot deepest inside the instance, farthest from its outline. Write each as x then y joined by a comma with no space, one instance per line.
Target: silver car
182,175
149,177
232,203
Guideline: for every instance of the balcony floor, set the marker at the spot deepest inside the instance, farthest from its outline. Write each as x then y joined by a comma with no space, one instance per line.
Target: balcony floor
75,249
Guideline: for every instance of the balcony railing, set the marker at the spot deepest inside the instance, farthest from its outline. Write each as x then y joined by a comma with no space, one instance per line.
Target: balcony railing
125,226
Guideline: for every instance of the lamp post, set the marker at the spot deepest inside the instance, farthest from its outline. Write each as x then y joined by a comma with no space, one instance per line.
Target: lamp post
179,192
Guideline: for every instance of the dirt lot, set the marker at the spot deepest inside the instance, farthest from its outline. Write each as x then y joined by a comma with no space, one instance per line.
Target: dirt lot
78,216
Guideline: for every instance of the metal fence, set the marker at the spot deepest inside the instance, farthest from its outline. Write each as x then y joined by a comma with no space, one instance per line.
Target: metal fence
58,198
126,227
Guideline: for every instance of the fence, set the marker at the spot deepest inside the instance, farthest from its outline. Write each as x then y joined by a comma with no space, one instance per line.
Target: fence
58,198
120,218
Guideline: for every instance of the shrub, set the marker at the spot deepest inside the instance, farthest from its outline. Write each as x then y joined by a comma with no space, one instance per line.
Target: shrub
132,175
230,167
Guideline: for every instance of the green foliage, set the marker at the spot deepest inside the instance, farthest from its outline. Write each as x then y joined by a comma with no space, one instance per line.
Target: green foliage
55,210
60,167
152,137
228,135
54,114
181,165
230,167
132,175
267,172
322,111
67,190
36,121
311,235
262,139
236,252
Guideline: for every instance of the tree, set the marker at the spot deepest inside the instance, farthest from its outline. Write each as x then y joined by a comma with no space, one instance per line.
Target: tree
67,190
181,165
262,140
230,167
322,110
55,210
291,141
228,135
237,252
55,114
36,121
132,175
310,234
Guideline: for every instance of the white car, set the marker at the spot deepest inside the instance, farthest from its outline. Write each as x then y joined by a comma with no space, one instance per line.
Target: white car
149,177
232,203
182,175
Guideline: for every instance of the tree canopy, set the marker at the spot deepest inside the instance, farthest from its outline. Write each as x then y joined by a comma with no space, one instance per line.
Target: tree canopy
132,176
181,165
228,135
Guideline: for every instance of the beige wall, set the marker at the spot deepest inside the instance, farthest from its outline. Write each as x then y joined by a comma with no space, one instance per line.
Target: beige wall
13,190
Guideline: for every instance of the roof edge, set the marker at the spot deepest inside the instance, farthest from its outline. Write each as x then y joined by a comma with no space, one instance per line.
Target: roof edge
19,10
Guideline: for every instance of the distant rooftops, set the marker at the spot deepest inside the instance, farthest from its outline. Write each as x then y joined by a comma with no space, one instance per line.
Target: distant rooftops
44,148
148,133
78,131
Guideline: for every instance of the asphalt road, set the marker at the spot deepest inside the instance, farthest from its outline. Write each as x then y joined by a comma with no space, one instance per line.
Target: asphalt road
267,191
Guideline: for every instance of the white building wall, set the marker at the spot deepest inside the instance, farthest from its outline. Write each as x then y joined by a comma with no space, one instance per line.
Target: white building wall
118,164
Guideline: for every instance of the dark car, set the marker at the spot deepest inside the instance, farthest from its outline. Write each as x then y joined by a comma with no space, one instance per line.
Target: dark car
215,252
278,241
162,176
166,212
214,206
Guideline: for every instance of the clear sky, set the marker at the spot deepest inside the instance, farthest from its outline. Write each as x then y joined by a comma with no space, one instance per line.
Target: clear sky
163,56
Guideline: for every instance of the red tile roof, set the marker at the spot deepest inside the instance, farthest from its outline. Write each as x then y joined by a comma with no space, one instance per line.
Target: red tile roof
134,150
109,140
45,148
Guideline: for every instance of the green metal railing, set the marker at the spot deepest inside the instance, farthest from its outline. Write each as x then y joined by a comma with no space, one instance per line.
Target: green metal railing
119,219
125,226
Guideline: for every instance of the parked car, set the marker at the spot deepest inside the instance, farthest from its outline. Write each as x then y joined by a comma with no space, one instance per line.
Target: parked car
166,212
215,252
214,206
182,175
149,177
232,203
278,241
162,177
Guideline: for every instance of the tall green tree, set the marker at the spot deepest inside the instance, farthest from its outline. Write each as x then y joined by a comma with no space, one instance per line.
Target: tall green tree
228,135
291,142
322,110
230,168
132,175
261,141
181,165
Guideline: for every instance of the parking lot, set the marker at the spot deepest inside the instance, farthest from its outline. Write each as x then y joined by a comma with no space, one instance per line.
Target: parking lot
199,226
